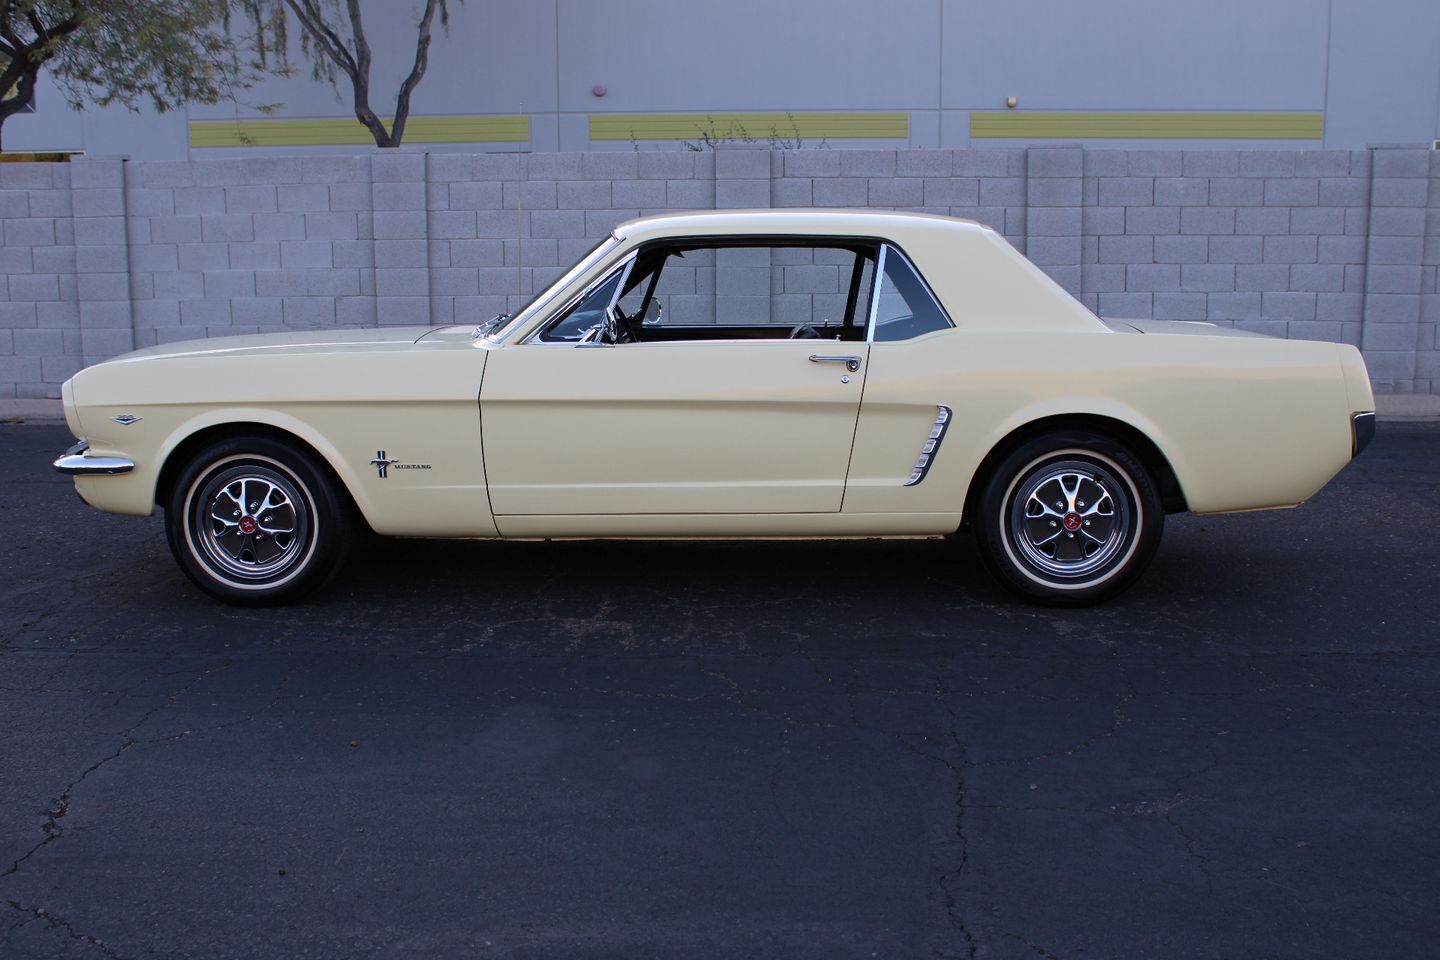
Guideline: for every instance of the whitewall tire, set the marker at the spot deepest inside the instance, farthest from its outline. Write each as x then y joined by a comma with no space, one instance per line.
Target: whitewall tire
1069,518
253,520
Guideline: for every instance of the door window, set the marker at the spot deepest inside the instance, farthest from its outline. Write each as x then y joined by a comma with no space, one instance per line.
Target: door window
731,290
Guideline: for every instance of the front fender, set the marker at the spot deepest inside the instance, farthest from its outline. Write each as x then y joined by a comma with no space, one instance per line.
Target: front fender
152,441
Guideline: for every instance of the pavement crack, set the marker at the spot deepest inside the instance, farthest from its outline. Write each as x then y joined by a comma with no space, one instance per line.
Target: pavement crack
52,826
1034,948
64,926
50,678
1167,814
60,806
949,878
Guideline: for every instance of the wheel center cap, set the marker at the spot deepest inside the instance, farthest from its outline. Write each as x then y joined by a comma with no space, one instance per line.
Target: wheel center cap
1072,521
248,525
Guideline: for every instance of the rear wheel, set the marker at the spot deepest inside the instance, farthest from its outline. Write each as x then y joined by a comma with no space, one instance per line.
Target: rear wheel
254,521
1069,518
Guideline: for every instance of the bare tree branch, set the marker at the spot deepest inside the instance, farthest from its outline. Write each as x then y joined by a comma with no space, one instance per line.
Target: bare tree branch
313,20
422,60
357,29
330,52
7,30
36,25
363,113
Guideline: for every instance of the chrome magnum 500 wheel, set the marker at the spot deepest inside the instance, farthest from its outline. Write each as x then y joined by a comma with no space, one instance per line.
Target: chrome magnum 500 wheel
1069,518
252,520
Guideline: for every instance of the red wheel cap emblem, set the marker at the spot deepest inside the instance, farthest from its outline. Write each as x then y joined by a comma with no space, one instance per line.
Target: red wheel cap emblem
248,525
1072,521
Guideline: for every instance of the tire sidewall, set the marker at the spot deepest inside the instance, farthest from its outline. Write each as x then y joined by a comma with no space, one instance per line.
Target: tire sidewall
1138,488
328,526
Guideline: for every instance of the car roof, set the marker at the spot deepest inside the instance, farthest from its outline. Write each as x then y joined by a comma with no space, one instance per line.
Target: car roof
887,224
983,281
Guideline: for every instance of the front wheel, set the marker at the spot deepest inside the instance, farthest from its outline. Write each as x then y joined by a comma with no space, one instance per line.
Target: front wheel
255,521
1069,518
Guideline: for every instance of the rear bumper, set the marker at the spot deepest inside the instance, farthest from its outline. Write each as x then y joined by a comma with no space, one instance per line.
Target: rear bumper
73,462
1362,431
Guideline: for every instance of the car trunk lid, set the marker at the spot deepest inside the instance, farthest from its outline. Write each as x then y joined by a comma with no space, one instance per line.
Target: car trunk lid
1183,328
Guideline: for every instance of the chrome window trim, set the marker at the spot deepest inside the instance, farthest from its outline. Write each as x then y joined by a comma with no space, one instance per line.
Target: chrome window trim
880,280
827,241
884,248
929,291
626,265
603,249
876,281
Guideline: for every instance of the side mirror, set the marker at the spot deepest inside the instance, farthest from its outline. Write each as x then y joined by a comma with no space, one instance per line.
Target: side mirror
652,313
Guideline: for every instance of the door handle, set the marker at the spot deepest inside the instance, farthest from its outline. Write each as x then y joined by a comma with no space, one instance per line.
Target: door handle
851,363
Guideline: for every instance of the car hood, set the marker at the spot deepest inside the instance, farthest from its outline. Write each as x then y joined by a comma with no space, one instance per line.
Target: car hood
309,341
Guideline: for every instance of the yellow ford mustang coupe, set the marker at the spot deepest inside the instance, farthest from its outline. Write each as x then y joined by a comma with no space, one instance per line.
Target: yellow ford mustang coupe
744,374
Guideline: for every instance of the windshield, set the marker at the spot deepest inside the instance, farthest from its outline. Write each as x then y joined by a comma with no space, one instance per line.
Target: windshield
545,296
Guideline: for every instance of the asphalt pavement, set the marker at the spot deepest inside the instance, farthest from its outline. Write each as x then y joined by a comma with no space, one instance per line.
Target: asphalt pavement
770,750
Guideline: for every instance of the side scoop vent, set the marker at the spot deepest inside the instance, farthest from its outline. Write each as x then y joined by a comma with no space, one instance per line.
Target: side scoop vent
931,447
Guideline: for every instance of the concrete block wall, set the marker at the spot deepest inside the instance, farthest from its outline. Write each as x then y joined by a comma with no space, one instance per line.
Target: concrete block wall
40,331
1271,241
101,256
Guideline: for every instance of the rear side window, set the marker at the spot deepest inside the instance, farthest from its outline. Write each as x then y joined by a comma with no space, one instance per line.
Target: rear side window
904,307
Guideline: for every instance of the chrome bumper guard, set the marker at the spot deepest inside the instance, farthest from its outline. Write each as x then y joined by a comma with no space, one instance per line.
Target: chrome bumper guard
1362,431
73,462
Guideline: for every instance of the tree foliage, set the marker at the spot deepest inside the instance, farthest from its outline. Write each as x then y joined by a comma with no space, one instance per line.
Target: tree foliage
162,52
334,42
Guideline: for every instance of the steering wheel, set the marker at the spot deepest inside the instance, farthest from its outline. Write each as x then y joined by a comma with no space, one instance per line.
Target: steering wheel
624,331
804,331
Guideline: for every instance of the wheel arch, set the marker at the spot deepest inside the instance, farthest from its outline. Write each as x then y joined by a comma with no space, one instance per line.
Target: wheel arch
187,447
1172,495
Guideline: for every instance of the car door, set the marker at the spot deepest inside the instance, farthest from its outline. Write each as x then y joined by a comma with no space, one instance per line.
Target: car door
687,419
902,461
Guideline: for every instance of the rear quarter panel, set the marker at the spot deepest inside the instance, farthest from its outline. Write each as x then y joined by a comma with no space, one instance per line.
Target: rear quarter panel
1246,423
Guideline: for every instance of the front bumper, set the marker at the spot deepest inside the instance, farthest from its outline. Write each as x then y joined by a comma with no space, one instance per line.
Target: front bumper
73,462
1362,431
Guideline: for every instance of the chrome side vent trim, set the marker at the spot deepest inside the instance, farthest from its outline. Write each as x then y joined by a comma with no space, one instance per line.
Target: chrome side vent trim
931,447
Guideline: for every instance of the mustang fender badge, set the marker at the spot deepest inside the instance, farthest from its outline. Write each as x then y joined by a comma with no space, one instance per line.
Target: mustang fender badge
384,463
